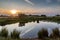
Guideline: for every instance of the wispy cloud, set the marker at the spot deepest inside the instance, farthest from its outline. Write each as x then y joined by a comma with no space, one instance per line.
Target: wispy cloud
28,1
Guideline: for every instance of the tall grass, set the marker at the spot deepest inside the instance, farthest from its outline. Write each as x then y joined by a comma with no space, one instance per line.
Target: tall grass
55,33
4,33
43,33
15,34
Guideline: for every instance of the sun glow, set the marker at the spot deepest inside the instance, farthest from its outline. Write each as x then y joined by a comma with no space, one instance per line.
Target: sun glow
13,11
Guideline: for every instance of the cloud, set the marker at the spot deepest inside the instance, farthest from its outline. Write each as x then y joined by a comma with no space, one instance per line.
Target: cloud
28,1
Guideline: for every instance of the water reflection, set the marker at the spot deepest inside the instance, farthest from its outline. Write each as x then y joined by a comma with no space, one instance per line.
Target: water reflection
30,29
2,24
37,21
21,24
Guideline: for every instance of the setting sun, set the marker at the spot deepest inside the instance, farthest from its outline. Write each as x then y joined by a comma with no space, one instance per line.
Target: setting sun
13,11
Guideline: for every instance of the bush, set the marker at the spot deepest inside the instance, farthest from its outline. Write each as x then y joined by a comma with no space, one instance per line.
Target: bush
55,33
4,33
15,34
43,33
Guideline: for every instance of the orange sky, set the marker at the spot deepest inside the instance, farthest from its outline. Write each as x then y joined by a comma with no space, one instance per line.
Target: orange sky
41,10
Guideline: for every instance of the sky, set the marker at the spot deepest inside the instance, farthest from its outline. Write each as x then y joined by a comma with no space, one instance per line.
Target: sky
40,6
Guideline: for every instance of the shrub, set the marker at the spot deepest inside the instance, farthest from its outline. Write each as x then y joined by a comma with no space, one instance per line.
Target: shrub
55,33
43,33
15,34
4,33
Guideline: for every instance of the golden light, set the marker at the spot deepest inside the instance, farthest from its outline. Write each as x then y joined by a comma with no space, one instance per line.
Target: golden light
13,11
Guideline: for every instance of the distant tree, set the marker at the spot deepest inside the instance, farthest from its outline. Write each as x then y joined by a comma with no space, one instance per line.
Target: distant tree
30,15
57,15
22,15
1,15
43,15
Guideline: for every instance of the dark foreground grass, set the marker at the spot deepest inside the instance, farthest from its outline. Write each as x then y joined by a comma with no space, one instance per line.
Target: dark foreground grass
42,35
3,38
4,35
55,33
15,34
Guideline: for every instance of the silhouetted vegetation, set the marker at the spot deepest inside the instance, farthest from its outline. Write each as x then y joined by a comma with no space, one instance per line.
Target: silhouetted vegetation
22,18
55,33
43,33
15,34
4,33
43,16
58,15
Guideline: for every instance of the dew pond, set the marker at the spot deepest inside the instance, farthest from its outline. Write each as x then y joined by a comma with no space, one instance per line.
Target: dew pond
30,29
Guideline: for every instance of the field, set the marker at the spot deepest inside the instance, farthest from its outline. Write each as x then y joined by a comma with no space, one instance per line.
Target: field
30,18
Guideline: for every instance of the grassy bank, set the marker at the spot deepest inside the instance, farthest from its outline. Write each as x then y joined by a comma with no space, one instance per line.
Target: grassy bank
26,19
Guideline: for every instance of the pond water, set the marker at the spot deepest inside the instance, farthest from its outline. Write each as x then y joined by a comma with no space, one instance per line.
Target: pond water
30,29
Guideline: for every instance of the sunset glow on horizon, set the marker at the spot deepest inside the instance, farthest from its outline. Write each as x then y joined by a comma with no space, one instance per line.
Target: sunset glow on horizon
13,11
30,6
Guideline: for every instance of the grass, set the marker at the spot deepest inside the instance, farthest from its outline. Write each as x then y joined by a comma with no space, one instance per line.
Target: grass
43,33
26,18
15,34
55,33
3,38
4,32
